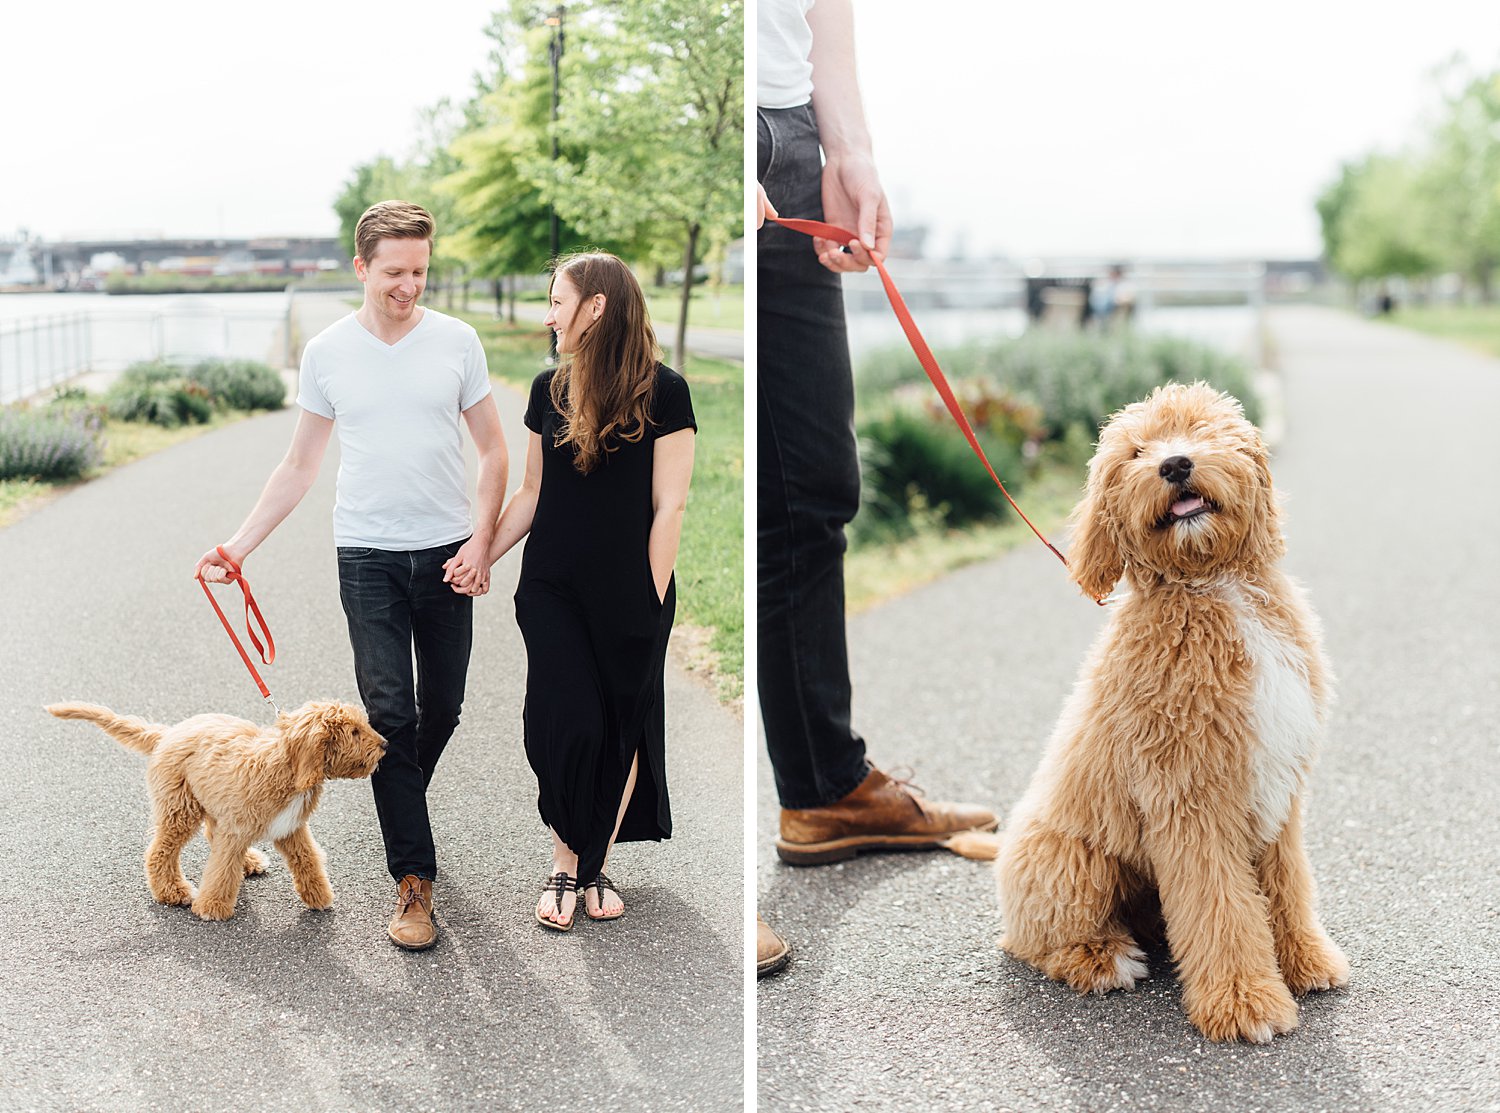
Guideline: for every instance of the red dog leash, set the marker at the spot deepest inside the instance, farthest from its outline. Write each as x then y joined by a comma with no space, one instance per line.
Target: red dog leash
268,651
924,356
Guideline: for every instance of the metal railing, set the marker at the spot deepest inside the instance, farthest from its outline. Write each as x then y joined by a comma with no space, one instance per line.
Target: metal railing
39,353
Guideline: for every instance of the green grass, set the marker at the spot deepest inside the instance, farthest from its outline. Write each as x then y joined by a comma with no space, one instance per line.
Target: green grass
711,567
514,351
1476,326
17,496
874,572
713,307
710,563
125,441
721,307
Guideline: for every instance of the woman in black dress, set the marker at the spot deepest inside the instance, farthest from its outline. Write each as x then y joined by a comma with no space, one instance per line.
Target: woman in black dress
608,462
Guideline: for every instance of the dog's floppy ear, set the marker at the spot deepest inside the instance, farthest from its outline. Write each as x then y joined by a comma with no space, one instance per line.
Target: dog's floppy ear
305,733
1094,559
1264,543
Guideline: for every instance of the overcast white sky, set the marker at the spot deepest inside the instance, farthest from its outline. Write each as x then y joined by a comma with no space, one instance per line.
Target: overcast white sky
1023,126
1155,127
214,119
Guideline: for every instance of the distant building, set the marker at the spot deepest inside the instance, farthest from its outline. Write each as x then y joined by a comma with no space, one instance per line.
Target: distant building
20,269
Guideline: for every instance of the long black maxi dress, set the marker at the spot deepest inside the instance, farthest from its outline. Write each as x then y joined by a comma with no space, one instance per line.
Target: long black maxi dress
596,633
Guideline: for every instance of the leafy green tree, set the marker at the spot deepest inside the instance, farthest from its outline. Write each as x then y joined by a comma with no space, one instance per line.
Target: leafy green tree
371,181
1381,229
1333,205
653,97
503,215
413,179
1461,179
1434,208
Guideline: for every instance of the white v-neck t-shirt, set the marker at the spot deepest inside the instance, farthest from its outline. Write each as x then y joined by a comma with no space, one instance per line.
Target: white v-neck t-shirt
396,408
783,70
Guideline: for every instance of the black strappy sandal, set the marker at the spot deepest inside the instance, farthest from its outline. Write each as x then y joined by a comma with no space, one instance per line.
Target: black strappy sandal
599,884
558,884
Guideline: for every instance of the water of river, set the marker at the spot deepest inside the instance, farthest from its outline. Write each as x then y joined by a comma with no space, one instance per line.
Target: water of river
29,307
47,338
1229,328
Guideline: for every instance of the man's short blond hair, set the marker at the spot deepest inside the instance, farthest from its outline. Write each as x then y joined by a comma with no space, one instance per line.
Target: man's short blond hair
391,220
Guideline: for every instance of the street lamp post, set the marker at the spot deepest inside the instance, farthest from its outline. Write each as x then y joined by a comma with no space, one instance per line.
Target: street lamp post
554,55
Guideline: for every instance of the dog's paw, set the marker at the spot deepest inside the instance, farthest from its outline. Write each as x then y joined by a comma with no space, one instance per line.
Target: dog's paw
212,909
1097,966
178,893
255,862
1312,963
1251,1009
317,896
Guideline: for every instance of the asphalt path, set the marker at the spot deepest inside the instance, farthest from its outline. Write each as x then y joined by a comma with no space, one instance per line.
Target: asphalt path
897,996
109,1001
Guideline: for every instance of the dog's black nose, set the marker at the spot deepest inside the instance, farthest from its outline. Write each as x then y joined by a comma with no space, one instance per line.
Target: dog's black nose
1176,469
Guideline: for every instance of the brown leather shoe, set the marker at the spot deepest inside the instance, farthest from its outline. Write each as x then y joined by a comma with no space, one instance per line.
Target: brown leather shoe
881,814
771,951
412,927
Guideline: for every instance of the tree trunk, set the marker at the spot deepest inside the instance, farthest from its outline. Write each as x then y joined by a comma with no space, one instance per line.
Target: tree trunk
679,353
514,282
463,277
499,288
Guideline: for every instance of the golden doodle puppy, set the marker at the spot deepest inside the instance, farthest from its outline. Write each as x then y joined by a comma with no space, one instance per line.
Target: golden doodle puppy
1171,787
240,783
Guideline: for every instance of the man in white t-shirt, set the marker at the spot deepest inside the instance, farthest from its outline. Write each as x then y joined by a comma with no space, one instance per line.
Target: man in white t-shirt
395,378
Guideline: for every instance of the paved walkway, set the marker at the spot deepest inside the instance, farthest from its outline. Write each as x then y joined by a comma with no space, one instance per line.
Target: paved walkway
898,996
111,1002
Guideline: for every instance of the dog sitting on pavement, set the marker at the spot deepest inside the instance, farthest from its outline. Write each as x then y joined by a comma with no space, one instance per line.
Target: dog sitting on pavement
1171,788
240,783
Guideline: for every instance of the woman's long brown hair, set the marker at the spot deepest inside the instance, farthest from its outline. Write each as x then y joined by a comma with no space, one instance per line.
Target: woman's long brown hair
602,389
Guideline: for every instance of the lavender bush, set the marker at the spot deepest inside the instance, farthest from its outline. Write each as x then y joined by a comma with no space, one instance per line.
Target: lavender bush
41,445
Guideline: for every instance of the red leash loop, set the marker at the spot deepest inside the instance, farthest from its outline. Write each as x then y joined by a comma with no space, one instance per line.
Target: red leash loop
924,356
268,651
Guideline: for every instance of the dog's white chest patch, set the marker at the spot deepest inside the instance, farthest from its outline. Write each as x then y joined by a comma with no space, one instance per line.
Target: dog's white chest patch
1284,720
289,818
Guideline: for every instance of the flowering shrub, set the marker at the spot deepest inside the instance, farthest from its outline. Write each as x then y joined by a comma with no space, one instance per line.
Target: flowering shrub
1076,379
48,445
1046,389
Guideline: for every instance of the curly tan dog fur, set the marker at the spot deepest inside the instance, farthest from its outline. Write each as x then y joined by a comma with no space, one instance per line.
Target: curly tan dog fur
1170,789
241,783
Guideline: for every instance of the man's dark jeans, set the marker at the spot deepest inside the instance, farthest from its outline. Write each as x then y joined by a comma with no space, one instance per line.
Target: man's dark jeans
807,482
395,601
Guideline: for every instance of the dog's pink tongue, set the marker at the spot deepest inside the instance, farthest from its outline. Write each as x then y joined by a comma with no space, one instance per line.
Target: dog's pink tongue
1186,506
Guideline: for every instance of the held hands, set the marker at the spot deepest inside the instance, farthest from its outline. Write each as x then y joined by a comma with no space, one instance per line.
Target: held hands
853,199
468,570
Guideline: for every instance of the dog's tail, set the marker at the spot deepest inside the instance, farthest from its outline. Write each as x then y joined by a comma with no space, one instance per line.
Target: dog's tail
982,846
133,733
